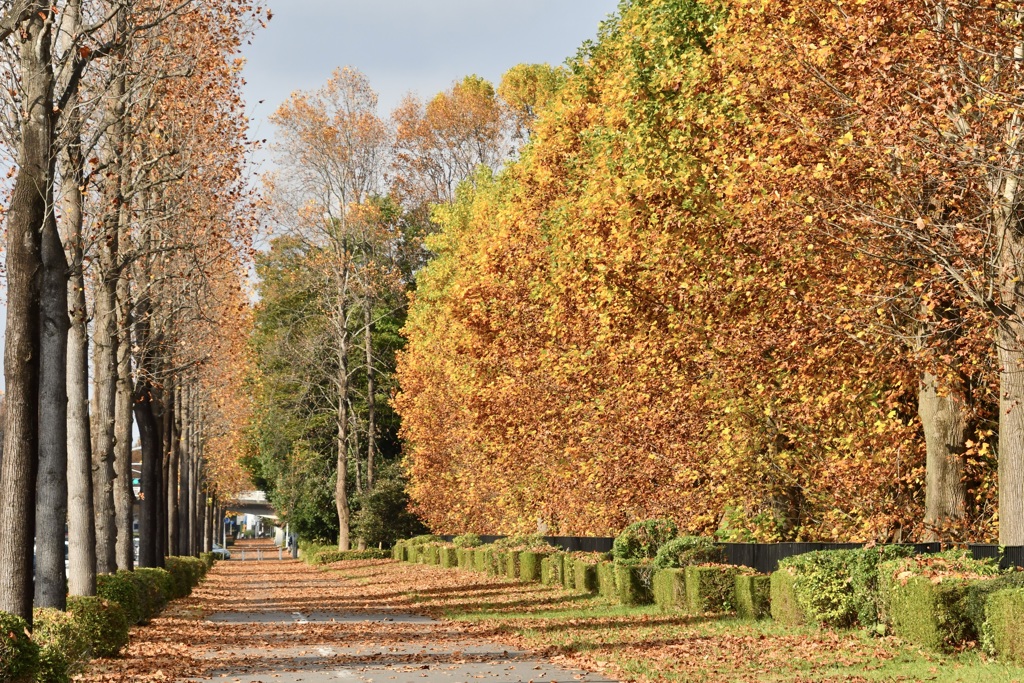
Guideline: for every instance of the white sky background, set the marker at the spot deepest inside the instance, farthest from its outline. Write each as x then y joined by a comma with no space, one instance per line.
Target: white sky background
421,46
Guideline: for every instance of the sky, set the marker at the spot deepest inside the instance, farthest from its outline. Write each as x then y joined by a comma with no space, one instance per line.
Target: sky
421,46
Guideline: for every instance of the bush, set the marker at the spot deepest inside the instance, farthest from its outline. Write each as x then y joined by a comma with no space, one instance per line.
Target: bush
398,551
642,540
449,557
785,607
512,564
1005,627
325,557
711,588
688,550
753,596
63,646
156,589
124,590
976,602
585,575
555,574
186,573
209,559
19,655
529,565
568,572
670,589
103,623
423,539
606,585
927,598
467,541
635,582
840,588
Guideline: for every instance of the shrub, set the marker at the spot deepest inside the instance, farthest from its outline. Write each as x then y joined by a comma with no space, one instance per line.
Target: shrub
529,565
606,580
688,550
186,573
398,551
512,564
785,607
63,646
1005,627
103,623
556,569
325,557
753,596
19,655
642,540
585,575
927,598
545,571
467,541
568,572
840,588
156,589
670,589
449,557
711,588
124,590
423,539
209,559
976,601
634,582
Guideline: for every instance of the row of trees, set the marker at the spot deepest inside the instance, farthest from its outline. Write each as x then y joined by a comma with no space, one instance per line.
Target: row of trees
128,228
351,205
758,270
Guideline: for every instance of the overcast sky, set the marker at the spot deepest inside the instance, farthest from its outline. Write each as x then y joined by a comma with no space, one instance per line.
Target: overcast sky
407,45
402,45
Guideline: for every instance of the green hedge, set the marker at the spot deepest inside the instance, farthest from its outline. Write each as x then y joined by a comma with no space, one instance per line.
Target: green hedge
19,655
634,583
753,596
1003,611
606,580
481,559
186,573
688,550
642,540
840,588
156,590
103,622
449,557
467,541
512,561
123,589
785,607
669,588
398,551
585,575
568,572
711,588
63,645
529,565
325,557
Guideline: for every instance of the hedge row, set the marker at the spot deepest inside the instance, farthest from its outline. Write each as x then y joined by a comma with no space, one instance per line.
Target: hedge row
944,602
62,643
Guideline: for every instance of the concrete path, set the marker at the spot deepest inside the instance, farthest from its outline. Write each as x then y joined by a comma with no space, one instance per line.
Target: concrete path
296,624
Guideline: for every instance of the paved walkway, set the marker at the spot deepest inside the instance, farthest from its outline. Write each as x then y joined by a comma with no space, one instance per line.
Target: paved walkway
284,622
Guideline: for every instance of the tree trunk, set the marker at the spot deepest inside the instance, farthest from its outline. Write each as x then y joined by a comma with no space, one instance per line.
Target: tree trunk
81,525
173,421
1011,435
371,398
945,426
184,480
124,492
52,480
149,508
27,211
341,487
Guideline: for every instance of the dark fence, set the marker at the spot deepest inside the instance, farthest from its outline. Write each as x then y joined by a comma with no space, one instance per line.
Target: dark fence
765,557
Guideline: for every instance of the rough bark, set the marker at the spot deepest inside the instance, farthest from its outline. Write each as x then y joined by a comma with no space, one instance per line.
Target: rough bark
149,528
173,422
124,493
52,480
945,427
26,213
341,487
1011,435
371,397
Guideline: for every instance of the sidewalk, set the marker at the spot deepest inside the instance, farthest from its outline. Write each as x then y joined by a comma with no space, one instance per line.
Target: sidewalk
282,621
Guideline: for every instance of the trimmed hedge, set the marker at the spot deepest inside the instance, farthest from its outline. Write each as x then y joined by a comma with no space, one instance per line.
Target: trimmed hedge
642,540
186,573
689,550
585,575
634,583
568,572
785,608
156,586
711,588
63,645
606,580
512,562
753,596
325,557
123,589
449,557
399,552
481,559
103,623
19,655
467,541
670,589
529,565
1003,611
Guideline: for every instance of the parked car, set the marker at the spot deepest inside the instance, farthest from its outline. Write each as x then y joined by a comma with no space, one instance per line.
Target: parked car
221,552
